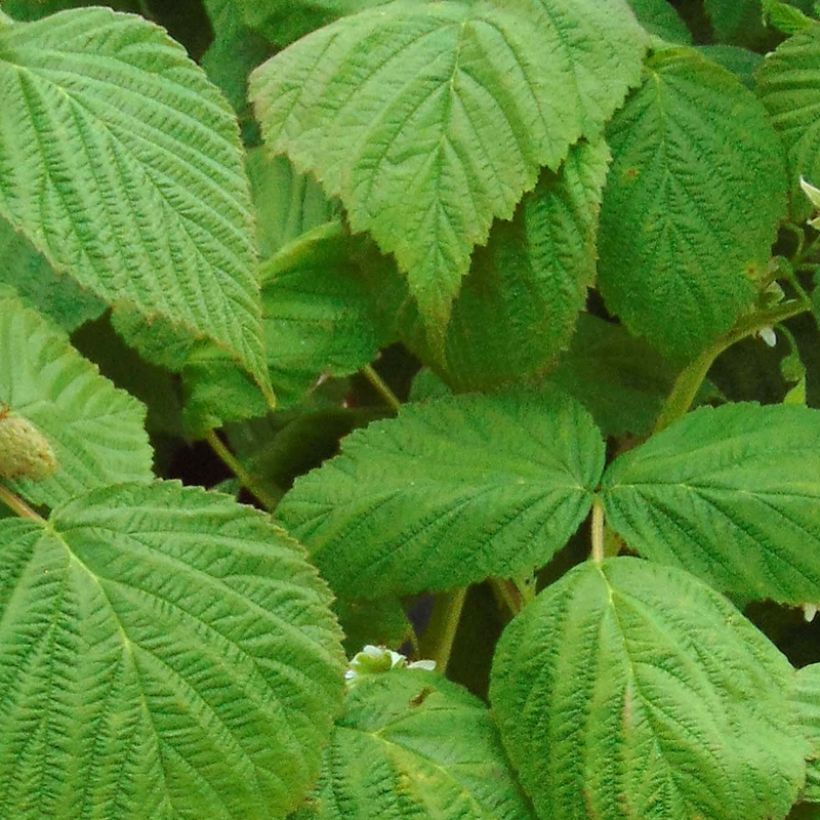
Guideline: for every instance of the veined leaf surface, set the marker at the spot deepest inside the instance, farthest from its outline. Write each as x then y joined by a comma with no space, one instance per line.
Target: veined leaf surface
633,690
164,653
789,86
806,701
729,494
448,493
122,164
96,431
413,744
693,199
430,119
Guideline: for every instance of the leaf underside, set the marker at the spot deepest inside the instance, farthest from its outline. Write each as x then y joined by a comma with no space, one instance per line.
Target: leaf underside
430,119
450,492
122,164
634,690
164,653
730,494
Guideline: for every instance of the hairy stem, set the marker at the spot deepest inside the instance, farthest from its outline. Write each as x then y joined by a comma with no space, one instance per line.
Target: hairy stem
18,506
597,531
437,641
381,387
692,376
268,501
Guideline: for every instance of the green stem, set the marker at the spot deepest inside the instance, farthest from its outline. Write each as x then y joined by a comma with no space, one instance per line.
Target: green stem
18,506
380,386
268,501
691,377
507,593
437,641
597,531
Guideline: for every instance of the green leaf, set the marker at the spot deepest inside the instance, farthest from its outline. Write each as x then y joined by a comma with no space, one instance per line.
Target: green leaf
413,744
736,21
658,17
283,21
740,61
122,164
692,203
36,9
789,87
430,119
806,701
633,690
288,204
380,622
618,378
317,312
164,652
518,305
729,494
39,287
449,493
95,430
785,17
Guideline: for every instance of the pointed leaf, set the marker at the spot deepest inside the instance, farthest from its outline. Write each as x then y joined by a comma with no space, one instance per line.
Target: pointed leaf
412,744
633,690
692,203
450,492
518,305
164,652
95,430
730,494
789,87
806,700
430,119
122,164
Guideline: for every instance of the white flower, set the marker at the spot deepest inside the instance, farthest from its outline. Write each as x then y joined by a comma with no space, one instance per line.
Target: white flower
814,197
375,660
768,335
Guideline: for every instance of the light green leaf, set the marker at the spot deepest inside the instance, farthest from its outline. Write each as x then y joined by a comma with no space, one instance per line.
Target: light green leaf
692,203
39,286
785,17
413,744
789,87
156,339
449,493
317,312
518,305
36,9
430,119
658,17
283,21
740,61
729,494
620,379
95,430
164,653
122,164
288,204
806,701
633,690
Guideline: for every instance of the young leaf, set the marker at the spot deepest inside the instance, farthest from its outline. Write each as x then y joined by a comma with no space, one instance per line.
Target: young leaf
789,87
519,303
692,203
164,652
95,430
633,690
39,286
450,492
122,164
413,744
430,119
806,701
729,494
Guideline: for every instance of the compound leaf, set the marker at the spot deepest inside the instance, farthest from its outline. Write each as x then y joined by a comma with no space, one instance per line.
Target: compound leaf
729,494
806,701
413,744
95,430
452,491
122,164
164,652
629,689
430,119
789,87
692,203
